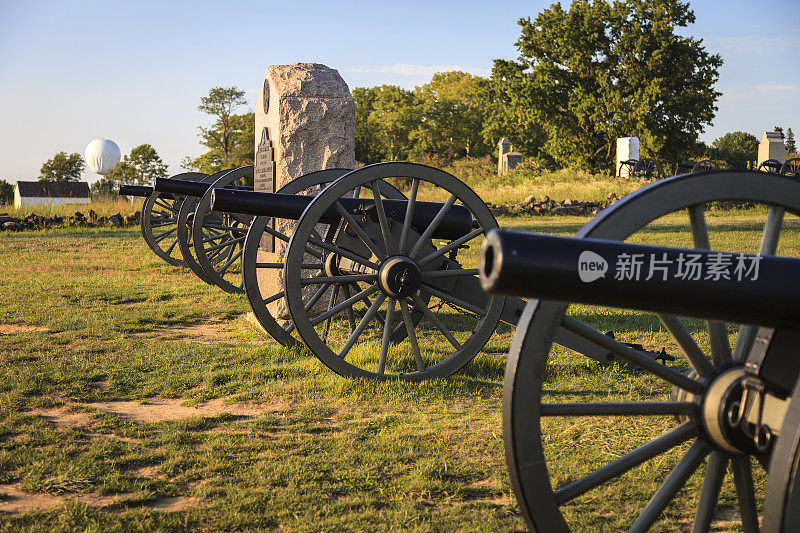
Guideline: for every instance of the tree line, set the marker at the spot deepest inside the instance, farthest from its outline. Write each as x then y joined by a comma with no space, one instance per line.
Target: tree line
584,76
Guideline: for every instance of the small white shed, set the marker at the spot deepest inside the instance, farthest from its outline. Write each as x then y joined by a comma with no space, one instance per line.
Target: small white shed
34,193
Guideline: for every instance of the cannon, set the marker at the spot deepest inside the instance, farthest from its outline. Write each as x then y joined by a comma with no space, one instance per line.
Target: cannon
736,404
365,272
644,168
159,214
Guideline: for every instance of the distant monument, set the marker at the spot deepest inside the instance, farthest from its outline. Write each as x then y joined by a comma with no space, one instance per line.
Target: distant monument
305,121
507,158
771,147
102,156
627,148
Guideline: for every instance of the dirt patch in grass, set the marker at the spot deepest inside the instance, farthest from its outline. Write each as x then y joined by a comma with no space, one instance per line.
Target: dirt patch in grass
172,504
64,416
14,500
162,409
11,329
210,332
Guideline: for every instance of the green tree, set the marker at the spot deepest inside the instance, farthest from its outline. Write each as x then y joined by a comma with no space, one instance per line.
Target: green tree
779,129
6,193
385,118
600,70
139,167
62,167
368,150
736,149
453,108
221,103
105,186
791,147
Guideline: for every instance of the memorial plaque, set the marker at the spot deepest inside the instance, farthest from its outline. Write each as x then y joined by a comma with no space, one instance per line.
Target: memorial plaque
264,179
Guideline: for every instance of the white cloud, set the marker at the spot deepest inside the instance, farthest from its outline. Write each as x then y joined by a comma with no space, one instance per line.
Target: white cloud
416,70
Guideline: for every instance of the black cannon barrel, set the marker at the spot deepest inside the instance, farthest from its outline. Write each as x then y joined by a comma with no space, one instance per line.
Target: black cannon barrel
135,190
750,289
181,187
185,187
457,222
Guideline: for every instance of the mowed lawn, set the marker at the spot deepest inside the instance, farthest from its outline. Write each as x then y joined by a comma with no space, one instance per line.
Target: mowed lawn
135,397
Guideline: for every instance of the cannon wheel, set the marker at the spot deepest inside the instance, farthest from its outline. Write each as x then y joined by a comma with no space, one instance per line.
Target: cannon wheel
704,165
771,166
628,165
647,168
219,251
159,221
185,217
259,294
791,167
453,330
545,500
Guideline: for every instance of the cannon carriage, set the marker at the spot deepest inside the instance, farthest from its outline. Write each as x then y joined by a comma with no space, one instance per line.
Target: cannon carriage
732,403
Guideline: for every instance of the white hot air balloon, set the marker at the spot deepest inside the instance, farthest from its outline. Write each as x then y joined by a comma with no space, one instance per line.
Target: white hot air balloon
102,156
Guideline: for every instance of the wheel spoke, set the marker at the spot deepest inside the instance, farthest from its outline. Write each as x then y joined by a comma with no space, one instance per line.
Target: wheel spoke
351,319
344,253
163,223
412,200
444,249
618,409
412,335
269,265
448,273
432,227
621,465
164,235
675,480
696,357
373,247
452,299
387,333
326,326
632,356
171,246
273,298
384,224
229,242
743,478
769,245
229,262
347,303
317,295
435,319
349,278
717,330
361,325
715,474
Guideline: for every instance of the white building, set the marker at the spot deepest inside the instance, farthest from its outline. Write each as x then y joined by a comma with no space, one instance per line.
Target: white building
35,193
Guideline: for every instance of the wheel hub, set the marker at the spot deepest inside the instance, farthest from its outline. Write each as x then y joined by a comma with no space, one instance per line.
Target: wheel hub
721,410
399,277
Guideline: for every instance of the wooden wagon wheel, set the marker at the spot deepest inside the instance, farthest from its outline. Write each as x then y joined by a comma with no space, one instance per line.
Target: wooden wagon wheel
647,168
791,167
772,166
394,260
684,167
628,165
260,277
184,231
159,218
218,238
704,165
550,498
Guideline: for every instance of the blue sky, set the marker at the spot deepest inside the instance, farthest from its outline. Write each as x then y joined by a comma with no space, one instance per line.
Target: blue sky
134,72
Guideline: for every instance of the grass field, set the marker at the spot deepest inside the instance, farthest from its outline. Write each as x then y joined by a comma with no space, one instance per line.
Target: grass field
134,397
